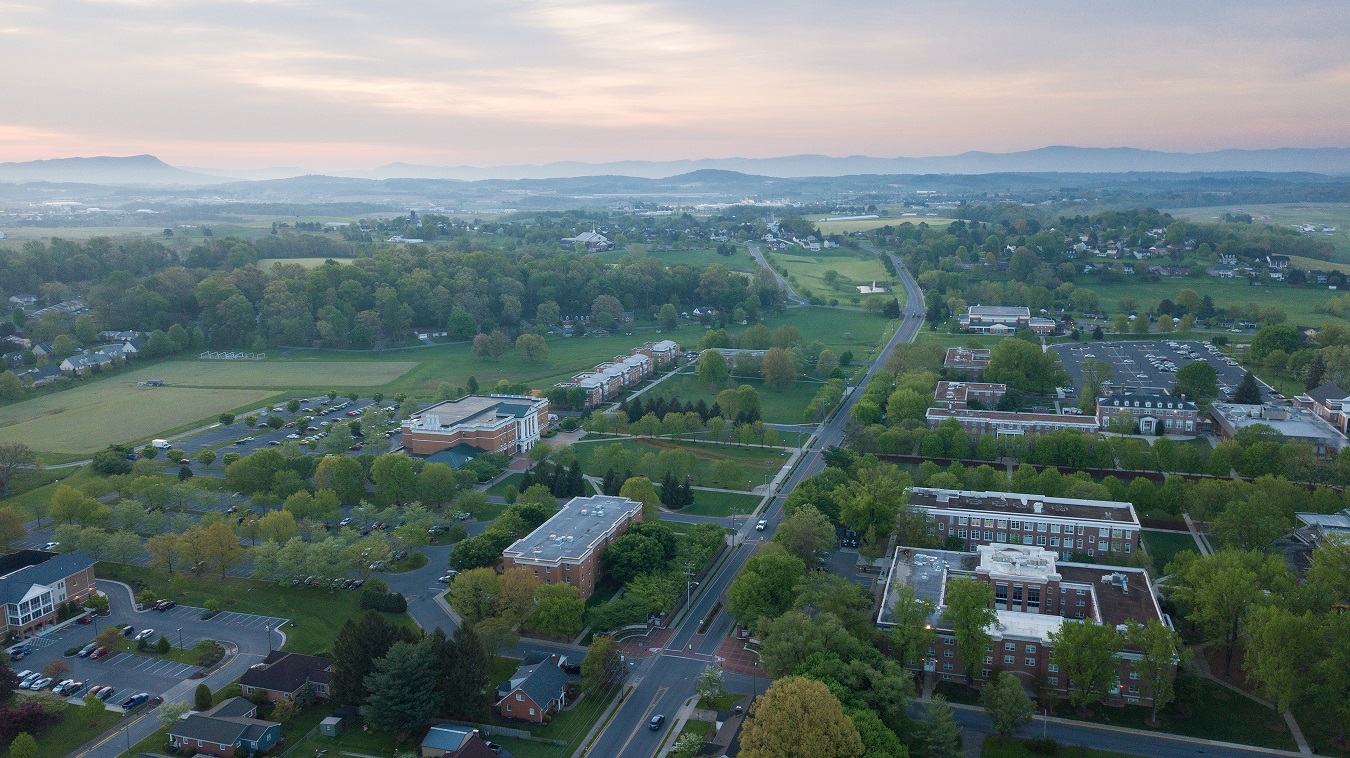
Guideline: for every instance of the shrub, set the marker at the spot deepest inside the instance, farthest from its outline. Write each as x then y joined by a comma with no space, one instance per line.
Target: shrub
1045,746
71,651
201,699
162,646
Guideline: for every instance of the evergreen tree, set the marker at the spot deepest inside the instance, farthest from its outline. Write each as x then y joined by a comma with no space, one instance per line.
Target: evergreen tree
576,483
607,484
1315,373
941,735
1248,393
464,672
402,697
358,645
526,479
670,491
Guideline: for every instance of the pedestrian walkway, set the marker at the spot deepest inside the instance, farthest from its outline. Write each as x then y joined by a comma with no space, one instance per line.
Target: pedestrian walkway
1200,665
646,645
734,656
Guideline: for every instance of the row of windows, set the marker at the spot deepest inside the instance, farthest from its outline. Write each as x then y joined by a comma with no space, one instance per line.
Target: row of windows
1041,526
1041,540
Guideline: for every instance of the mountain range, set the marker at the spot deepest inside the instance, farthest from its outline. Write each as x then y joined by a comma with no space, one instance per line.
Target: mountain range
149,170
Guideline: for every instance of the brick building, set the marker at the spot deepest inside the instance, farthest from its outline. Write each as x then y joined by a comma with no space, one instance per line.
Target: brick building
288,676
229,729
968,362
567,547
35,583
1034,594
1009,422
1060,525
607,380
1330,403
1171,415
1293,423
537,690
994,319
507,424
957,395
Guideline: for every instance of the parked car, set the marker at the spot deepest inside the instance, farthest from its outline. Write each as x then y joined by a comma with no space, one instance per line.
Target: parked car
51,546
85,620
26,676
128,630
40,684
144,634
345,521
135,700
106,693
87,649
446,579
494,747
98,653
165,605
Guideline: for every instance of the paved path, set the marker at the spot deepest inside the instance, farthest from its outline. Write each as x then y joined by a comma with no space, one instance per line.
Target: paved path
787,288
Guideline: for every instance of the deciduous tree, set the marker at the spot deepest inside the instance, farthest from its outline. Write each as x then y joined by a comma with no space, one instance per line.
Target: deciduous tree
1085,653
969,612
1006,702
777,726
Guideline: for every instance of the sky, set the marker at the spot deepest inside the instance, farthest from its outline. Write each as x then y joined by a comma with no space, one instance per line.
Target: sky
341,84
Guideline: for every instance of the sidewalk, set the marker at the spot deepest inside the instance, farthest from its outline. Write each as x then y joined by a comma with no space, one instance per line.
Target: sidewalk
1201,666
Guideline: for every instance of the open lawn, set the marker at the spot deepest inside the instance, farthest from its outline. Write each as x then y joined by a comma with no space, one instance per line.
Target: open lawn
63,738
958,340
569,727
784,407
753,464
738,261
1164,546
1297,302
317,614
266,264
95,415
806,272
838,329
721,504
868,224
298,371
1286,215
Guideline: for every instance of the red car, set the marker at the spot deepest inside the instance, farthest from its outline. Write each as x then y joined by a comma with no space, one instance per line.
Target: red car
290,424
357,446
85,620
98,653
352,414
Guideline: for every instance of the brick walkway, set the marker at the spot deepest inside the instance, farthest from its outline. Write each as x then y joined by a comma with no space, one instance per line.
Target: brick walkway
641,647
733,657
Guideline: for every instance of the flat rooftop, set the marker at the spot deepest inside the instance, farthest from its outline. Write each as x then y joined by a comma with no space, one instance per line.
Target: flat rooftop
926,571
1089,422
1023,505
574,531
1295,423
471,410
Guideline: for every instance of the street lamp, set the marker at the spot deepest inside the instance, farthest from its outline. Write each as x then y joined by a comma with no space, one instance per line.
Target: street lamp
180,638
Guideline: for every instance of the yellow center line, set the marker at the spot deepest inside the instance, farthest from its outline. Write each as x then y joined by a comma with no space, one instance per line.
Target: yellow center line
660,693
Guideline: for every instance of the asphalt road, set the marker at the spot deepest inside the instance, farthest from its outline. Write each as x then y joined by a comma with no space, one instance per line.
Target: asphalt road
661,683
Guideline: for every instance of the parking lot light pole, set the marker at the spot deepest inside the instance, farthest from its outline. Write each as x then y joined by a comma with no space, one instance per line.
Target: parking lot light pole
180,638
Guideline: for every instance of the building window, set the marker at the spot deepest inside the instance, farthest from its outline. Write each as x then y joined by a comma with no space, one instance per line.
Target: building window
531,711
1010,659
961,533
1000,594
1015,525
1053,668
984,673
1033,598
1134,675
1134,689
1002,523
988,660
988,536
961,520
1031,648
1000,537
1010,646
945,653
1054,542
946,667
1040,539
1029,661
1053,680
1054,528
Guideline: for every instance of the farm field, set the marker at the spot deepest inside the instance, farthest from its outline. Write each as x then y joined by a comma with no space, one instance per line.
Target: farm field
89,418
740,261
1286,214
864,225
806,271
776,407
266,264
293,371
754,463
1297,302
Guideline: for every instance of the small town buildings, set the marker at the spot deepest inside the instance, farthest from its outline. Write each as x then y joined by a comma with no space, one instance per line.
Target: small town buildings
1042,326
1034,595
1277,262
35,583
227,730
455,742
1152,413
994,319
1061,525
567,547
594,241
1330,403
1010,422
957,395
507,424
288,676
609,379
86,362
538,689
1319,528
1293,423
40,376
966,362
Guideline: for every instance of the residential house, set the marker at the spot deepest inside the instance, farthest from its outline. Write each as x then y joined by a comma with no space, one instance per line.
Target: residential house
455,742
1228,259
229,729
37,377
594,241
85,363
537,690
35,583
43,350
1277,262
288,676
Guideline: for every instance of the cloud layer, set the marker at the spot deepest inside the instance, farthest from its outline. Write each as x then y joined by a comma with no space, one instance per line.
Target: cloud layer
346,84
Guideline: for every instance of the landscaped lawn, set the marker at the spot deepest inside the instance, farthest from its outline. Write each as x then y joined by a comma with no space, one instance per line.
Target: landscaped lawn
316,615
510,480
720,504
1164,546
806,271
34,501
293,371
95,415
266,264
865,225
570,726
784,407
753,463
1298,302
64,738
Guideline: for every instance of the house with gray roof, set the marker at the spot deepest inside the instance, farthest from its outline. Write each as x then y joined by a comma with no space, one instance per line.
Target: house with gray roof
227,730
443,741
288,676
535,691
34,584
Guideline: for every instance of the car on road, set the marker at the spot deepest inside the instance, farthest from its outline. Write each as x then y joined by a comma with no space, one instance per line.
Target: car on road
128,630
144,634
85,620
656,722
273,443
446,579
762,525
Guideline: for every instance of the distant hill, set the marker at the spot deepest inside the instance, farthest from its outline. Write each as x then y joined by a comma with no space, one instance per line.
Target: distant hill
1055,159
129,170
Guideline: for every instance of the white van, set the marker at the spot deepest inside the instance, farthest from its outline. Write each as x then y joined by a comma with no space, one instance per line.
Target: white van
161,444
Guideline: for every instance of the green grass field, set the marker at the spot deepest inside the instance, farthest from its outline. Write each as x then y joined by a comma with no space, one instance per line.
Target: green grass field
754,464
838,329
65,737
266,264
776,407
864,225
300,371
1286,214
740,261
95,415
1164,546
721,504
806,271
1297,302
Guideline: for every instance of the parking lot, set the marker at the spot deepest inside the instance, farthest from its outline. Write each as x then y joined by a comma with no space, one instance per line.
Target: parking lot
1135,371
263,436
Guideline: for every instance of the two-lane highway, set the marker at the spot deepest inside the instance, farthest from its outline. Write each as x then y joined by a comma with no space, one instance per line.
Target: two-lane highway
663,682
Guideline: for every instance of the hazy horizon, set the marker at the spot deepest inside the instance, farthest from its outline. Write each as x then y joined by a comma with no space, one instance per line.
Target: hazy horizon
353,85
